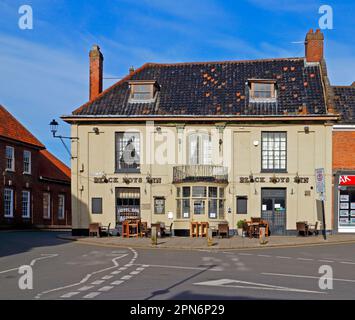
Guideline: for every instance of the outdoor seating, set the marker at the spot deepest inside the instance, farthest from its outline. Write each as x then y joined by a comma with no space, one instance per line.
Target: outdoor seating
223,230
160,227
130,228
143,230
94,228
194,229
204,229
169,232
313,229
105,230
302,228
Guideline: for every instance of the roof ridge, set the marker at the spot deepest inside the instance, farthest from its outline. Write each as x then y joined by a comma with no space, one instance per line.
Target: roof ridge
36,142
56,161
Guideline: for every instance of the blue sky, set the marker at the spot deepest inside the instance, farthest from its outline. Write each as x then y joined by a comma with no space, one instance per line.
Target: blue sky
44,71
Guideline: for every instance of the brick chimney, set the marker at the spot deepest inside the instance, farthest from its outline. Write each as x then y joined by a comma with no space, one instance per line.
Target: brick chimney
96,71
314,46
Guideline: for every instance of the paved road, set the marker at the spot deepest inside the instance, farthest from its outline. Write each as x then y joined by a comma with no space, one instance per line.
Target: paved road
69,270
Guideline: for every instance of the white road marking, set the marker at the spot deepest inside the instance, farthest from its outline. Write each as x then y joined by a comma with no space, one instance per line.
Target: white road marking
228,283
347,262
245,254
327,261
98,282
282,257
264,255
106,288
305,259
122,268
107,277
85,279
140,269
92,295
69,294
85,288
116,272
32,263
135,272
116,283
302,276
126,277
178,267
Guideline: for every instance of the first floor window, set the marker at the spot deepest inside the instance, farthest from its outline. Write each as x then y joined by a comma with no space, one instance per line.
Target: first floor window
273,151
46,205
199,207
61,206
26,204
9,203
159,205
185,208
27,162
10,158
127,152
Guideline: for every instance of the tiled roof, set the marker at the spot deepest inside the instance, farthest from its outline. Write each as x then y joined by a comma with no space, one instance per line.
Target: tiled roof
52,168
12,129
344,100
216,88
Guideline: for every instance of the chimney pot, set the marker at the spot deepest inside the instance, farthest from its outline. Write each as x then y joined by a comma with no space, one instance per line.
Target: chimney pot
131,70
314,46
96,71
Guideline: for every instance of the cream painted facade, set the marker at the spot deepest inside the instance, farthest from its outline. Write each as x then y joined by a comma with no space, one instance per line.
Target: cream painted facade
234,146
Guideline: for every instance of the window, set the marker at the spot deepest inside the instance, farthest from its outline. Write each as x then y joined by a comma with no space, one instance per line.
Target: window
96,205
61,206
274,151
200,149
9,203
46,205
262,91
127,152
26,204
142,91
10,158
199,197
242,205
159,205
27,162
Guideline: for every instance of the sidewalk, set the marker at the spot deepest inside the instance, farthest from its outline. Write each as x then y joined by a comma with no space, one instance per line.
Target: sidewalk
186,243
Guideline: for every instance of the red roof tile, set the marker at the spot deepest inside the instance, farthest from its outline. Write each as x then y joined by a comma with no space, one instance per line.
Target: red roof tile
52,168
12,129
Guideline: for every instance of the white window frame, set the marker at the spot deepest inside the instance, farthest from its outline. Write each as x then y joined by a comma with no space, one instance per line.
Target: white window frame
200,149
11,207
61,207
47,213
11,158
27,214
27,163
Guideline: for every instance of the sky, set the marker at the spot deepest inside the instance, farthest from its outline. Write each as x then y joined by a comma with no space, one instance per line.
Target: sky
44,72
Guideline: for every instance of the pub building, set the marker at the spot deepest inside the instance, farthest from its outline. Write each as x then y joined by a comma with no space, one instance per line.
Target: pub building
344,159
205,142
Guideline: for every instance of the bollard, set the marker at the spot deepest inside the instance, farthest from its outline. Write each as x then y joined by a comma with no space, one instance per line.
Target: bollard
209,237
154,236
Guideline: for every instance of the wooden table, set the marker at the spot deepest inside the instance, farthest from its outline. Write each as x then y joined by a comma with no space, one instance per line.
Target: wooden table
130,228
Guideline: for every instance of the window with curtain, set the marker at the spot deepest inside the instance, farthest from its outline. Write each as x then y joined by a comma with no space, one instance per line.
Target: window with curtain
127,152
200,149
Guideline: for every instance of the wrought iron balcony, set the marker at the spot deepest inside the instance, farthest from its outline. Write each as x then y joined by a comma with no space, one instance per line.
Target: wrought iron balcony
200,173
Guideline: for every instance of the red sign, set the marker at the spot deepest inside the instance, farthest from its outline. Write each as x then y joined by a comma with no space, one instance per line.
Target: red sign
347,180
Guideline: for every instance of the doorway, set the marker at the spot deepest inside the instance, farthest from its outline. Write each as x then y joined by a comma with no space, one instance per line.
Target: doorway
273,209
127,204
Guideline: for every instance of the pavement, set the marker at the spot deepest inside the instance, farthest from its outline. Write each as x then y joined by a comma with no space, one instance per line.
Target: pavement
236,242
74,270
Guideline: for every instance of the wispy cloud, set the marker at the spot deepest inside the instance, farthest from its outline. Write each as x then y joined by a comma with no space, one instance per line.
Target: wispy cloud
298,6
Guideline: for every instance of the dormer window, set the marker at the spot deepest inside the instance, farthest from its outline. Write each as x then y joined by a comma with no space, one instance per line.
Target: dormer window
143,91
262,90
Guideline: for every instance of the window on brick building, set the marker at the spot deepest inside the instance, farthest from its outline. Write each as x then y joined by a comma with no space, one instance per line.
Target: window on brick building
8,203
26,204
27,162
10,158
61,206
46,205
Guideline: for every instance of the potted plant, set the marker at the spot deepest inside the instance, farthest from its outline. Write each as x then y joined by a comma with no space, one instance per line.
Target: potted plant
240,225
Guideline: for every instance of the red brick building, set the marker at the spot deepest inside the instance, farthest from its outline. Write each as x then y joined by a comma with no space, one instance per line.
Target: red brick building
34,184
344,159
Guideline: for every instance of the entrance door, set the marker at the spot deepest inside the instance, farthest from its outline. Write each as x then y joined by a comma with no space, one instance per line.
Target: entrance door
273,209
127,204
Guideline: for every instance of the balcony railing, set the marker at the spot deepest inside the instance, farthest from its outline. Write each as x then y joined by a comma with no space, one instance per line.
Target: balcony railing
199,173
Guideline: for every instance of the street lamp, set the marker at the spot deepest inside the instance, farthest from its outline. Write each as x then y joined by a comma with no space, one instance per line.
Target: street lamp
54,129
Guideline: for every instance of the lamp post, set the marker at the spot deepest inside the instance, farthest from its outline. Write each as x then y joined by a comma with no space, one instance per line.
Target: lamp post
54,129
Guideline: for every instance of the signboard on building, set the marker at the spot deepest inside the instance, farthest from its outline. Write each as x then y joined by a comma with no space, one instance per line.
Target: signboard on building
320,181
347,180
